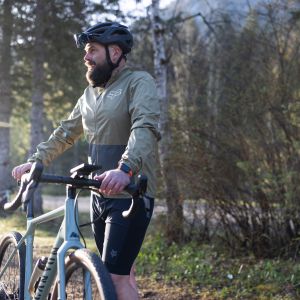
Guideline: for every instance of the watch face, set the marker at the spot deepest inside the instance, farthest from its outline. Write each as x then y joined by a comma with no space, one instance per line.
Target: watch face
125,168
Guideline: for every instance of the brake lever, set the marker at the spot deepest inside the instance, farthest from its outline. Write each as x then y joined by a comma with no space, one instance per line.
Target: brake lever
33,178
137,192
29,192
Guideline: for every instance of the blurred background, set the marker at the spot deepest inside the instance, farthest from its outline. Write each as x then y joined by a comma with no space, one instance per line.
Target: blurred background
230,96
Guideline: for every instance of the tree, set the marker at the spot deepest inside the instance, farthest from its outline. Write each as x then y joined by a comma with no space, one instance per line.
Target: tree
174,205
38,78
57,75
6,92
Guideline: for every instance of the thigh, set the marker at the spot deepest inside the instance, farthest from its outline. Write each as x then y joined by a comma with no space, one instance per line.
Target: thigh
124,236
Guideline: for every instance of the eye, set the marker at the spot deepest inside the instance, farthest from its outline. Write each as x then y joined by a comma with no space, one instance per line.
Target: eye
92,50
89,50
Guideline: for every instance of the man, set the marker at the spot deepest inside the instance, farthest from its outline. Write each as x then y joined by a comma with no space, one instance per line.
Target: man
118,113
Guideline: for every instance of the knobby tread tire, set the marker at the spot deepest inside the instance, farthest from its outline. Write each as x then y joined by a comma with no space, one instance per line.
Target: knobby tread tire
13,238
91,262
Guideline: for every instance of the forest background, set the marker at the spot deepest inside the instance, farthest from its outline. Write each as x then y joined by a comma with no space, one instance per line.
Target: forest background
229,83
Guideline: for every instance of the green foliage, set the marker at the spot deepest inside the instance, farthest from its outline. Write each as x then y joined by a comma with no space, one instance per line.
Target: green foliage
212,273
208,271
63,67
46,232
234,112
174,262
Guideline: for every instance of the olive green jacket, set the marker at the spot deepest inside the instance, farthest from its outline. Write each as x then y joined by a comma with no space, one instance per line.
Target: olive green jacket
120,123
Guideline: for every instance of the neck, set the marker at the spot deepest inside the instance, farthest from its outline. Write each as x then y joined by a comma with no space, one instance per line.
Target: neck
119,68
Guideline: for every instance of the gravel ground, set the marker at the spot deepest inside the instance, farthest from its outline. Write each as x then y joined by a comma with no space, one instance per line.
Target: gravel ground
52,202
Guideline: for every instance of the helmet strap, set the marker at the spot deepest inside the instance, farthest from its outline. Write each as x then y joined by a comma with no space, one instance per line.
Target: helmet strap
108,59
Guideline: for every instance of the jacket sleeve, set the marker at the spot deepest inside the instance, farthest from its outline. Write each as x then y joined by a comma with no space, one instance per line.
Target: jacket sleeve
61,139
144,110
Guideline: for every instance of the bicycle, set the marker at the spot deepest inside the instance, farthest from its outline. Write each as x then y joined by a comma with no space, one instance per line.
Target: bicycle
54,277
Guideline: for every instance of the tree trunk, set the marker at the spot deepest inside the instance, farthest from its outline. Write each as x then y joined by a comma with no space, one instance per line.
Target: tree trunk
174,205
213,94
6,95
38,87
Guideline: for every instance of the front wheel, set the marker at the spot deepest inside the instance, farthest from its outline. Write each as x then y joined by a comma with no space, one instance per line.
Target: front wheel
12,280
80,263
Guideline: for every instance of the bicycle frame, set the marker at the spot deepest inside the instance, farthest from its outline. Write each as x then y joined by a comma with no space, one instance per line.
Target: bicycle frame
67,238
68,234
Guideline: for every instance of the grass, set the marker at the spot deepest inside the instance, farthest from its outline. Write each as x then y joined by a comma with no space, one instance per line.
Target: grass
46,232
205,271
210,273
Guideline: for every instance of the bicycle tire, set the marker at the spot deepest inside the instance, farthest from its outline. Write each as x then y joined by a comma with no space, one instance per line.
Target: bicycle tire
88,261
12,281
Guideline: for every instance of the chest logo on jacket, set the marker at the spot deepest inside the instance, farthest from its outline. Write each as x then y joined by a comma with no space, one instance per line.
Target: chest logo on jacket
115,93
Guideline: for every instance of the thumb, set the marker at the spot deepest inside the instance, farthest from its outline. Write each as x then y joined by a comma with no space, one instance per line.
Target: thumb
100,177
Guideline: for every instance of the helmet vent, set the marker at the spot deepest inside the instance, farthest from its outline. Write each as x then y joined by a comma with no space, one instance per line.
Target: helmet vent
119,32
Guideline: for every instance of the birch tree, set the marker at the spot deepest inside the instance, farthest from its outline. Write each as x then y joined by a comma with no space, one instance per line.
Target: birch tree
6,94
174,203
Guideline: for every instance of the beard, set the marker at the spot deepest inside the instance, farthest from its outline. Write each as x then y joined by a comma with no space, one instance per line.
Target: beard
99,75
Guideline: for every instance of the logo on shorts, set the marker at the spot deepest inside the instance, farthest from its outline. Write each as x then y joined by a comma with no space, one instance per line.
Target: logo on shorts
113,253
115,93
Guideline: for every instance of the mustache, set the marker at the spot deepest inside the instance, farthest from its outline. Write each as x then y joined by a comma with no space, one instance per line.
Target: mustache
90,63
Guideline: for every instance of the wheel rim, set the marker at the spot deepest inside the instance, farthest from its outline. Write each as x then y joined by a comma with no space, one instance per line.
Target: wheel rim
10,280
75,284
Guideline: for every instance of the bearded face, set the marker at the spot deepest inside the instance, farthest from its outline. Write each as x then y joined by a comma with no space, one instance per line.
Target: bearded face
98,75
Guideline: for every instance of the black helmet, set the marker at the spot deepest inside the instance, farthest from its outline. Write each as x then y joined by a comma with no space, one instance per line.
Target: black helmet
106,34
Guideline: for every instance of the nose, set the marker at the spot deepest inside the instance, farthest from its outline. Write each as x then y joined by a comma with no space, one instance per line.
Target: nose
87,56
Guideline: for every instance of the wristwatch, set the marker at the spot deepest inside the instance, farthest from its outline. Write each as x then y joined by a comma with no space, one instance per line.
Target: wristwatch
123,167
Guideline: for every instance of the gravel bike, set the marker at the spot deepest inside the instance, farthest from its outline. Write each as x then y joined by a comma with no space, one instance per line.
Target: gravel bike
64,274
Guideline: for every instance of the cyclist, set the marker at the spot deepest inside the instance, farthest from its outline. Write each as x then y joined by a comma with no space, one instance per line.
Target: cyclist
118,113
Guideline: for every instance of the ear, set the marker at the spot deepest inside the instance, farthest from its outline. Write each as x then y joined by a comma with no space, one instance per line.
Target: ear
115,52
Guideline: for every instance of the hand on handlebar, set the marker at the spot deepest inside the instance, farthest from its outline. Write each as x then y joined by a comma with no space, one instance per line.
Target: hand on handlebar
18,171
113,181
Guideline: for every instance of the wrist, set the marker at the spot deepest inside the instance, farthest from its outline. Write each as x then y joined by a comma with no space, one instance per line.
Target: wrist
126,169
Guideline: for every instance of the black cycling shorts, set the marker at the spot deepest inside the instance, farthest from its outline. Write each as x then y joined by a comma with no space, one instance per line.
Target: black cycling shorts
119,239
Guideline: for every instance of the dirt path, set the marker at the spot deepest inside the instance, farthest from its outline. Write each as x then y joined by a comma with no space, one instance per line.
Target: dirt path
52,202
158,290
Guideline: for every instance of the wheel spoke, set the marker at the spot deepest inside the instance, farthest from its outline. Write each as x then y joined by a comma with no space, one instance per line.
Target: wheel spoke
13,276
75,286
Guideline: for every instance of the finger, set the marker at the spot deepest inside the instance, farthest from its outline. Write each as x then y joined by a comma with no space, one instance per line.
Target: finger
118,187
111,185
18,173
23,170
13,172
105,182
110,188
102,176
